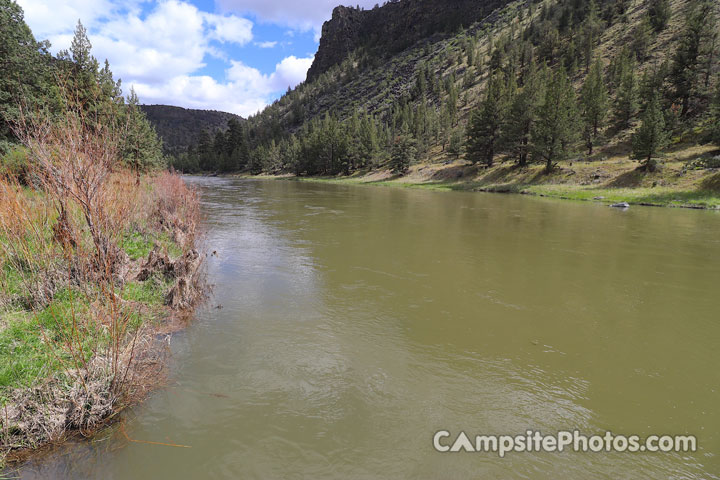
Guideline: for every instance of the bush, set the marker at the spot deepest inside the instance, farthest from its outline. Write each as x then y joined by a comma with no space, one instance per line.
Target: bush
14,162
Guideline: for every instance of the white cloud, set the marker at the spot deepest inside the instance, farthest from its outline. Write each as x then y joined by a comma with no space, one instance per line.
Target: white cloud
51,18
160,52
245,91
308,15
290,72
230,28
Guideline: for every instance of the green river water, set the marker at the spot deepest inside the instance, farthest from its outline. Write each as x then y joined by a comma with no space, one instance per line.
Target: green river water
358,321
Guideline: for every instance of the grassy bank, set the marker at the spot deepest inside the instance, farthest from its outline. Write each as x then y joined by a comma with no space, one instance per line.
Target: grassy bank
687,177
95,262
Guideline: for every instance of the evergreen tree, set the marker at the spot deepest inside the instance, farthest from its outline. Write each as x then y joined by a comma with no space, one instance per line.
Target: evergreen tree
693,48
403,153
203,151
715,117
651,136
141,149
591,30
456,143
451,103
555,129
522,116
626,98
24,70
659,14
642,38
83,72
236,146
484,129
594,104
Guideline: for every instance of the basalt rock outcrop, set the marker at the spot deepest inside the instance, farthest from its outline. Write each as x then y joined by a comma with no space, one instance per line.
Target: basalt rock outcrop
384,31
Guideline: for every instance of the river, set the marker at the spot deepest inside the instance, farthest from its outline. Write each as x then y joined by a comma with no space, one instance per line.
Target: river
358,321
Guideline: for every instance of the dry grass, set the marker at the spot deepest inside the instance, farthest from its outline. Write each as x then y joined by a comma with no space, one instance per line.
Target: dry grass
609,177
78,351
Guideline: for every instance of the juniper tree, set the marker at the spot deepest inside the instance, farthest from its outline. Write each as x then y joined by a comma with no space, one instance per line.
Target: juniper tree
555,128
594,104
651,136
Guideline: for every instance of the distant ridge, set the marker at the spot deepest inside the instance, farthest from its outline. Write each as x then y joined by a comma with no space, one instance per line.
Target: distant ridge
180,127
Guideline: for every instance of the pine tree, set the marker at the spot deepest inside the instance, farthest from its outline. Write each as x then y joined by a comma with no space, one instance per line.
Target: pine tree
715,117
555,129
456,143
594,104
651,136
403,153
693,46
626,98
592,27
141,148
24,68
451,103
522,115
84,69
484,129
653,83
659,14
642,38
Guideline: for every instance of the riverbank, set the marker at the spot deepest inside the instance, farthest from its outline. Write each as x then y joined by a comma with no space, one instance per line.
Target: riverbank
87,292
687,177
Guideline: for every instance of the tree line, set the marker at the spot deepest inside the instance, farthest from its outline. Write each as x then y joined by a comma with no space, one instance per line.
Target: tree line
34,82
546,96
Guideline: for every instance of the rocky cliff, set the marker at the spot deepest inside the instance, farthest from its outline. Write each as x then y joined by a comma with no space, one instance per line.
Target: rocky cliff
387,30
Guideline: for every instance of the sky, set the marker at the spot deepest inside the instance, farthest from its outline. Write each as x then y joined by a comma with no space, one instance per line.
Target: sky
230,55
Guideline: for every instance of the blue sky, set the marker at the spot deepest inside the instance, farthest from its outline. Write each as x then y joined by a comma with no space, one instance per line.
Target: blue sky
231,55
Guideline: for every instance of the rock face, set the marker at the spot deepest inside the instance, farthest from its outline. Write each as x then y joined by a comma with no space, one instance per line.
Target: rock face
386,30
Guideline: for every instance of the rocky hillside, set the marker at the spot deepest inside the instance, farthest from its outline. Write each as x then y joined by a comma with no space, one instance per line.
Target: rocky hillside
423,82
180,127
387,30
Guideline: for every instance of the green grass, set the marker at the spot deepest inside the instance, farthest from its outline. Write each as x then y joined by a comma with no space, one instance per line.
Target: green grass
150,292
138,245
658,196
11,282
31,345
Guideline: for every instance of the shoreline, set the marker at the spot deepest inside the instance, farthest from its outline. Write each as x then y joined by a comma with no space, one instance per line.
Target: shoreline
607,182
119,336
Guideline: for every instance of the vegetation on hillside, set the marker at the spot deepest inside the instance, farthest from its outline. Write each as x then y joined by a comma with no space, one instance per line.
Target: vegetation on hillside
179,128
35,83
536,82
